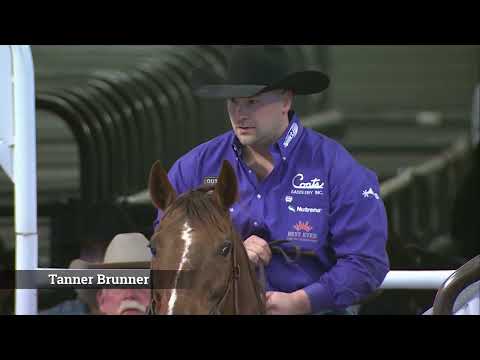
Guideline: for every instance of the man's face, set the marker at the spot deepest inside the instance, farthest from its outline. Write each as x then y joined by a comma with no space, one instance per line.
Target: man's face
123,301
260,120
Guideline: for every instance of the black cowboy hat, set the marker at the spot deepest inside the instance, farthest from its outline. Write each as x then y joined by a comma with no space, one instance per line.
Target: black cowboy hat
257,69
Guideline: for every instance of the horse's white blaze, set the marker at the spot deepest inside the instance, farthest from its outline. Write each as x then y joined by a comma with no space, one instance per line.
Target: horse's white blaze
187,238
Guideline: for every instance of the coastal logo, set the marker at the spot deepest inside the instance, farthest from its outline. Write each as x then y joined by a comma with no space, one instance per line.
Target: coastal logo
291,135
313,184
313,187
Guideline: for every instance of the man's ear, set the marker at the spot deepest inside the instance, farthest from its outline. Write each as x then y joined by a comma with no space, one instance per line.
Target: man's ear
226,187
161,190
287,100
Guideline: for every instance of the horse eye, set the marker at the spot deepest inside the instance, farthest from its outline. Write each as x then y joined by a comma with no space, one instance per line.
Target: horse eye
225,249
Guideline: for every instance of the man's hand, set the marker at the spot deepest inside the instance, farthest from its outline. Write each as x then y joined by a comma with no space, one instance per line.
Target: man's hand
258,250
296,303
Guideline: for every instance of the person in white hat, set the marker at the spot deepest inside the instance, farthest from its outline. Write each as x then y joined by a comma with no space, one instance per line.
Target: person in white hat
125,251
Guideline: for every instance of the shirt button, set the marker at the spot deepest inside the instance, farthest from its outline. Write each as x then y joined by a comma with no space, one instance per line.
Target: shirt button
259,196
249,171
231,209
255,223
284,158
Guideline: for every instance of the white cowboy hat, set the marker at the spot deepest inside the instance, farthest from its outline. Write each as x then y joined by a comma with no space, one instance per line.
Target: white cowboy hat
125,251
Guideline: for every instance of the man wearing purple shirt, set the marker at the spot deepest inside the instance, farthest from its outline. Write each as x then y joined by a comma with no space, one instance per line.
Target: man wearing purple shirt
294,184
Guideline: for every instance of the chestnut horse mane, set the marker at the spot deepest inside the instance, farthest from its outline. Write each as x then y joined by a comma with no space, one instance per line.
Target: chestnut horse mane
197,207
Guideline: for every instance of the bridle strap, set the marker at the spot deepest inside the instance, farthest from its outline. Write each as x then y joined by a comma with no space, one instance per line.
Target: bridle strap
233,279
236,278
216,309
153,303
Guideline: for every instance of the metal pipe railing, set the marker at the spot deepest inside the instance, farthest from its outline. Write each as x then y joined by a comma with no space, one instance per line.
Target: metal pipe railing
394,280
467,275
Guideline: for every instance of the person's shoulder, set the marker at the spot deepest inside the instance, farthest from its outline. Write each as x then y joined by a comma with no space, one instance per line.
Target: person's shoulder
320,141
334,153
322,144
69,307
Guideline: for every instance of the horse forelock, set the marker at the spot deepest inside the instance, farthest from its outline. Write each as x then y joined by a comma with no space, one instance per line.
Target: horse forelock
200,209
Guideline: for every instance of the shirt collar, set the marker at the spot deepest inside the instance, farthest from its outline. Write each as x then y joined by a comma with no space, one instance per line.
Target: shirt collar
291,136
237,146
285,144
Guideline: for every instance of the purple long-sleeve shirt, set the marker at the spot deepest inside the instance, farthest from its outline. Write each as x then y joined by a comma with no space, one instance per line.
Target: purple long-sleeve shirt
318,197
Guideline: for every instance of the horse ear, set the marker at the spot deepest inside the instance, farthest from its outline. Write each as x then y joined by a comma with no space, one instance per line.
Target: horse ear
226,187
161,190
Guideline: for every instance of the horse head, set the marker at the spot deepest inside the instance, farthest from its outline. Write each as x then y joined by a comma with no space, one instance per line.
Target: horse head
196,237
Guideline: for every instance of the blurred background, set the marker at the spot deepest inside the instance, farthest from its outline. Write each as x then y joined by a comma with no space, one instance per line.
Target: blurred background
106,113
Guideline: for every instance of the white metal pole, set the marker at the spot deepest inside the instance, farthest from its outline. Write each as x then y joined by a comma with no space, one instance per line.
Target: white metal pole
25,174
416,279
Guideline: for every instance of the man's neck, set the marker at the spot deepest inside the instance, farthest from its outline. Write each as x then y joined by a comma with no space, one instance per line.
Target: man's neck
260,160
258,157
258,152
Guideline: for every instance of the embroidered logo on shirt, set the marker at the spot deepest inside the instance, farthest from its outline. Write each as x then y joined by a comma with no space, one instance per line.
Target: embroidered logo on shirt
291,135
368,193
210,180
303,226
312,187
303,232
294,209
312,184
308,210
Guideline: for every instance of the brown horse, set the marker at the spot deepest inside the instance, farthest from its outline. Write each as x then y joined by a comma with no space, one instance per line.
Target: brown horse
196,234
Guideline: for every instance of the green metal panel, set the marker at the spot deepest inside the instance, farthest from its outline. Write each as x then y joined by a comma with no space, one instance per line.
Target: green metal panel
387,78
